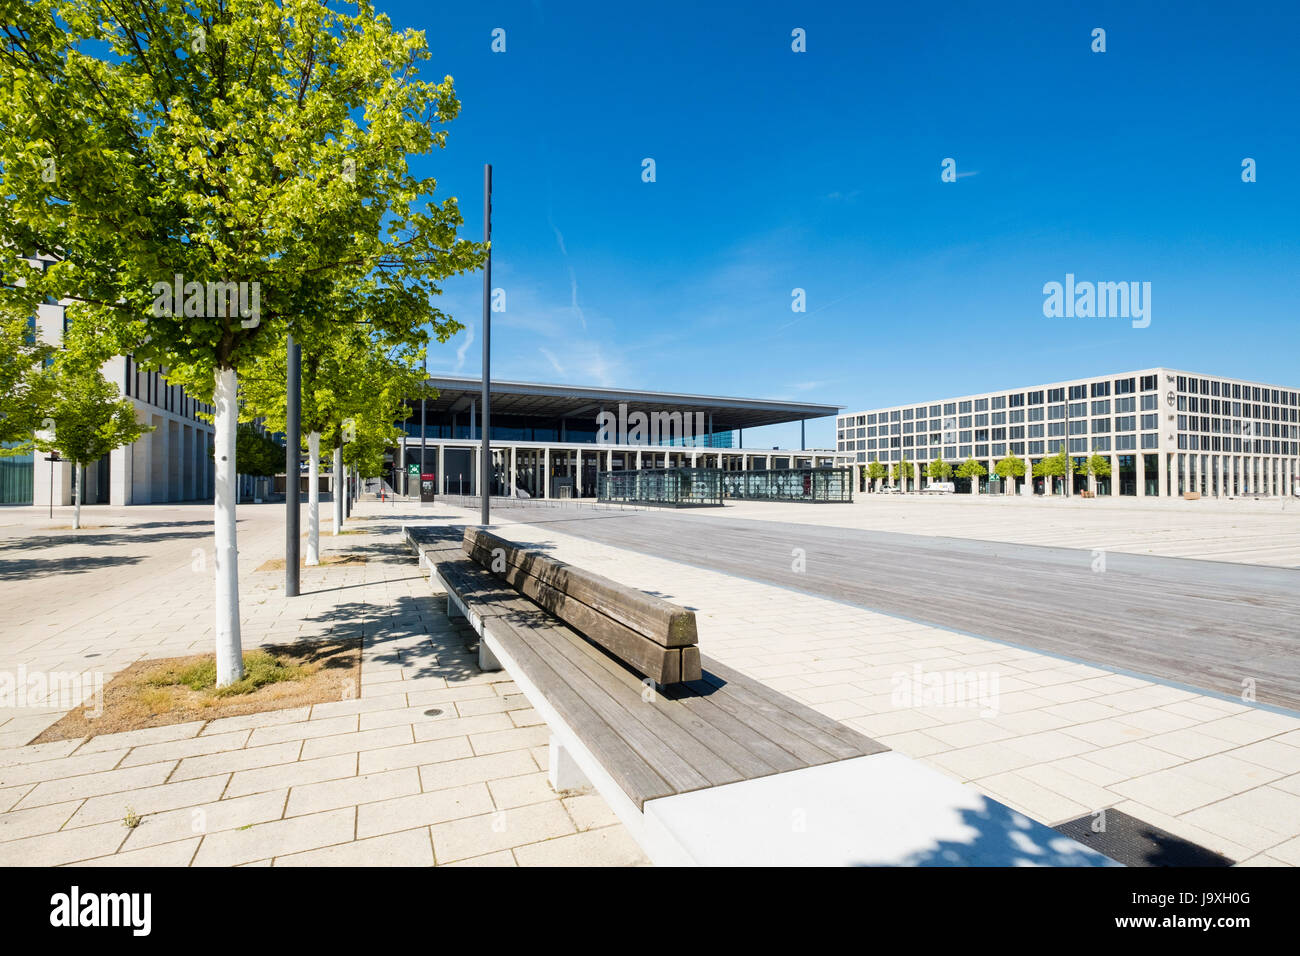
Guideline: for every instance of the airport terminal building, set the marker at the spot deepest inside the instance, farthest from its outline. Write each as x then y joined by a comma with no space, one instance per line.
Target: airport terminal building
547,441
1164,431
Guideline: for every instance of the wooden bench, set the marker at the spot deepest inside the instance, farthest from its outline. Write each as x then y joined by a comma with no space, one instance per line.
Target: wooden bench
674,741
631,726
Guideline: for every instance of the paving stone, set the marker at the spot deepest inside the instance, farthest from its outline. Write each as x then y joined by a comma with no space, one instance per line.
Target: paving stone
503,829
277,838
423,809
350,791
408,848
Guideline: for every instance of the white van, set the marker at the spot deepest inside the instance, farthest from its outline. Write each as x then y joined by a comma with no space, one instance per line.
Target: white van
939,488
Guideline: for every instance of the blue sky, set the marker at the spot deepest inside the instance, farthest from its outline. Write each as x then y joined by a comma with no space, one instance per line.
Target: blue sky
778,170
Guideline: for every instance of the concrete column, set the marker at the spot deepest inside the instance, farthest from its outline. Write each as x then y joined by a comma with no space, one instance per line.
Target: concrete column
609,460
1140,473
1231,468
577,479
1114,475
546,473
158,466
1162,472
1218,476
916,474
638,459
474,480
119,468
514,470
440,480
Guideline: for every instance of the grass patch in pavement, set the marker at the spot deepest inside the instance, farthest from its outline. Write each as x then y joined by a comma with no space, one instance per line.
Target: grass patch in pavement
155,693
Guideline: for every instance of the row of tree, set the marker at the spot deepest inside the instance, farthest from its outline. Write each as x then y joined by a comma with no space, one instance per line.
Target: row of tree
221,145
1008,468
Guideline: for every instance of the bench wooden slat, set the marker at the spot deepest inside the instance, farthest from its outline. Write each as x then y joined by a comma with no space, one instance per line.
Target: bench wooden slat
828,735
652,617
807,752
632,772
670,765
773,757
662,664
655,718
739,746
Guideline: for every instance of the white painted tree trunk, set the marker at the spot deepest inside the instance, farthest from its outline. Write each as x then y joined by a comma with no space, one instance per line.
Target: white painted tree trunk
76,494
339,489
313,498
230,659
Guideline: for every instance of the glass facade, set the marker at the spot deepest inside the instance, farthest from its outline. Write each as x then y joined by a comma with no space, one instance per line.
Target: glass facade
16,478
664,487
790,484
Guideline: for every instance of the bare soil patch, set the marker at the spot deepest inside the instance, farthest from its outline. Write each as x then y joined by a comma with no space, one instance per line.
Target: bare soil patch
175,690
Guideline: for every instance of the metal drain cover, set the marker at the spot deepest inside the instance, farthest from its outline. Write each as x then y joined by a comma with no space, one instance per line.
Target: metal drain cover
1133,842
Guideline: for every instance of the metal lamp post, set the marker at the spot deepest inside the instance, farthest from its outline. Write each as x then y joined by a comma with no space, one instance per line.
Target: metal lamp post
293,430
485,454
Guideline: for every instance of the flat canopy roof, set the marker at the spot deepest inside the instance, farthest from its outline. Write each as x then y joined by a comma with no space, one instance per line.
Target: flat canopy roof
579,401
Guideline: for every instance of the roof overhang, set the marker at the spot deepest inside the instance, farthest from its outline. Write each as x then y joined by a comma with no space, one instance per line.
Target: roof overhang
579,401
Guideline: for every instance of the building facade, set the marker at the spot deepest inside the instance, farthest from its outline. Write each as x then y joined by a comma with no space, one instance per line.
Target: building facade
546,440
1163,431
171,463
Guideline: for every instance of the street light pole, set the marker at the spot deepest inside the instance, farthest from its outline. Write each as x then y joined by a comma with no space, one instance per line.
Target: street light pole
485,455
293,430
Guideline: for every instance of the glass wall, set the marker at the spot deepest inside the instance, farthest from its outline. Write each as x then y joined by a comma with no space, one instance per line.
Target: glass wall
666,487
16,478
790,484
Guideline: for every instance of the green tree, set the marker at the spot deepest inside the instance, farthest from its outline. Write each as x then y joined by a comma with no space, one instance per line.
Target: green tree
24,391
972,469
1009,469
1053,466
902,471
877,471
86,418
938,470
258,453
207,175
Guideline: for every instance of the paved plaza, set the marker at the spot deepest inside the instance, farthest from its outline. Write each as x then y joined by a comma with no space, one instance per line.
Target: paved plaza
1246,530
432,762
435,762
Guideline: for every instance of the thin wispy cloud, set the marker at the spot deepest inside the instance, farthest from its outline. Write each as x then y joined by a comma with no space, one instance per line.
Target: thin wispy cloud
464,347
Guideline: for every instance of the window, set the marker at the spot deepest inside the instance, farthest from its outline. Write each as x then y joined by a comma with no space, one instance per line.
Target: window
1151,441
1100,389
1036,398
1035,448
1016,401
1078,409
1000,401
1035,431
1101,444
1124,386
981,420
1055,411
1055,395
1126,423
1101,408
981,404
1017,416
1150,382
999,418
1036,414
1079,427
1125,405
1078,391
1126,442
